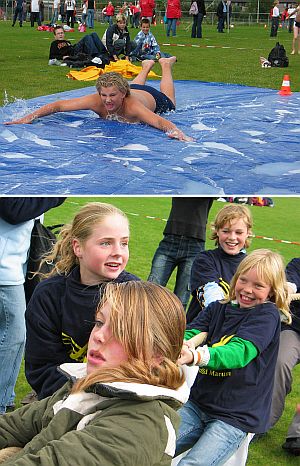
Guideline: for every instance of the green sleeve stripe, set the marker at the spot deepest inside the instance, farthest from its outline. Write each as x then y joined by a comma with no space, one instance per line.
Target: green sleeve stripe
191,333
235,354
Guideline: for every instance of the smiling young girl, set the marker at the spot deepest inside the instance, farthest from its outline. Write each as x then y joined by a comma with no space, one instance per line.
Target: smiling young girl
92,251
123,412
212,270
232,393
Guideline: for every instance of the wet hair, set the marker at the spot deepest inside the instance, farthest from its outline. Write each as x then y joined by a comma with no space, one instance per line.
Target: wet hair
120,17
228,214
81,228
270,269
149,321
113,79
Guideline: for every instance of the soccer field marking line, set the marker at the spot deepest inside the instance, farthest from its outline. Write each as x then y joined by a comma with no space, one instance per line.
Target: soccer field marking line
151,217
267,238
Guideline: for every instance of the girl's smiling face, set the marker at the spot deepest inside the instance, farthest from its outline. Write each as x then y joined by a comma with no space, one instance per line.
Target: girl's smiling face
104,350
251,290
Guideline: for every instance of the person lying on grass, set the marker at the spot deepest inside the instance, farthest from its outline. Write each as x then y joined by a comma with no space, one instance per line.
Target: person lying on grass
116,100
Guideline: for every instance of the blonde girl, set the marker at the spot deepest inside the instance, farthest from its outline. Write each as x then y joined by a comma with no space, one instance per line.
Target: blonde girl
92,251
124,410
232,393
212,270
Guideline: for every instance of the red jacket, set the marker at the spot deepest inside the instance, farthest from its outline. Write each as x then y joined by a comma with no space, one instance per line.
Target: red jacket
109,10
173,9
147,7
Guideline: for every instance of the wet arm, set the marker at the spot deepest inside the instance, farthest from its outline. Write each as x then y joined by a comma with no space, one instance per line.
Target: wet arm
81,103
147,116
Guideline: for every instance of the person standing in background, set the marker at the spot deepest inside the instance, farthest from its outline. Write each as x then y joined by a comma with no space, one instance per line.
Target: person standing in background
35,13
55,7
197,19
18,13
275,17
16,222
173,14
184,238
109,11
70,9
91,7
147,9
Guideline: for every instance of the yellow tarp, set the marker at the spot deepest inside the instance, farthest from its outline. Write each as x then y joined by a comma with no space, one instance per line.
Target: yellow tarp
124,67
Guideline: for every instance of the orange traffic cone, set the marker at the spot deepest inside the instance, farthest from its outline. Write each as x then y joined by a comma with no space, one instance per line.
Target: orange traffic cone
286,87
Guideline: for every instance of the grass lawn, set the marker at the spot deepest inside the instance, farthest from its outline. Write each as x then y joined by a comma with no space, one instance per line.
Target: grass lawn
148,214
230,57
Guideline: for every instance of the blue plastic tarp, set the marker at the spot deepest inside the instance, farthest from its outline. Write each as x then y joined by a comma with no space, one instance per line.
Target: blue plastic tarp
246,141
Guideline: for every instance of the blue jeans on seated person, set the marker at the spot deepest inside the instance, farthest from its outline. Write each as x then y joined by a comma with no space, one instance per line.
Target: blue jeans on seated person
175,251
91,45
212,441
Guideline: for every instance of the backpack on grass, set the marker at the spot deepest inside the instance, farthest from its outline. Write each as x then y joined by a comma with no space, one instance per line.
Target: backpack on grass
277,57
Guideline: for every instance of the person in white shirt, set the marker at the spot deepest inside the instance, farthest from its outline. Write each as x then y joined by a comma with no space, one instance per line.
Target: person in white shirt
35,12
70,7
275,19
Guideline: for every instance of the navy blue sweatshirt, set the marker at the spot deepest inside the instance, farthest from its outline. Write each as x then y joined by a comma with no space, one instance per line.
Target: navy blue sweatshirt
59,320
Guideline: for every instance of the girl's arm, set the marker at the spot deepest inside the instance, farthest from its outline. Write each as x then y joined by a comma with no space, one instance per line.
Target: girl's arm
20,427
145,115
80,103
234,354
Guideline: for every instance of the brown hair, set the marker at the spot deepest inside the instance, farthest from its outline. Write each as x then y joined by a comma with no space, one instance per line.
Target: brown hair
149,321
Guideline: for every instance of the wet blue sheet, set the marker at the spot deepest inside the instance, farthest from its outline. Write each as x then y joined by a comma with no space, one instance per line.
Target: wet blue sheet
246,141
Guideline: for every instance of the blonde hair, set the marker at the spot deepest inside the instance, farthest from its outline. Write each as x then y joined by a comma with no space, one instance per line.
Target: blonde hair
149,321
271,270
81,229
228,214
113,79
120,17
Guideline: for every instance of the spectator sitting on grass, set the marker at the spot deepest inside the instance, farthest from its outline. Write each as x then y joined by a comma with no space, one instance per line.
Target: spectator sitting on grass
90,45
147,47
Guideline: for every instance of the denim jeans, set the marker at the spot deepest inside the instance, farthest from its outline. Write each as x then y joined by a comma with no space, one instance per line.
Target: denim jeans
211,441
197,26
171,25
18,14
175,251
90,18
12,340
54,17
91,45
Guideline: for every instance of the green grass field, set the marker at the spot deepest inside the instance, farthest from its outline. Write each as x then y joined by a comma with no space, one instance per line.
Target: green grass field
147,220
24,71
